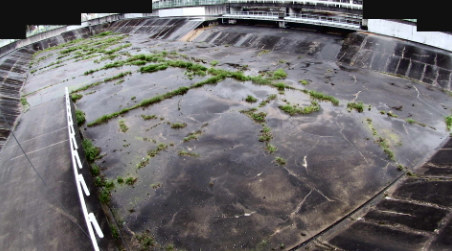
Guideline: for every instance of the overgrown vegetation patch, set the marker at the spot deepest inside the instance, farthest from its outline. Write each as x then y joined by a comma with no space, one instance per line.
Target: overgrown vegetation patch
148,117
178,125
122,126
186,153
91,151
76,97
257,117
382,142
293,110
151,154
79,117
357,106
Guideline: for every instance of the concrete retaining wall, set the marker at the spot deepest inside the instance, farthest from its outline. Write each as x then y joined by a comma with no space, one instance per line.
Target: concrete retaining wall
409,32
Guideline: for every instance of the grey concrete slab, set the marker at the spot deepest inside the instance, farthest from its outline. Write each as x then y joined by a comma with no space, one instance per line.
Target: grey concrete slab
35,216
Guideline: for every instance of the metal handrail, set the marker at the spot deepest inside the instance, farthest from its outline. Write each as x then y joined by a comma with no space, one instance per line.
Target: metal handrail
185,3
310,18
89,16
43,28
252,13
304,2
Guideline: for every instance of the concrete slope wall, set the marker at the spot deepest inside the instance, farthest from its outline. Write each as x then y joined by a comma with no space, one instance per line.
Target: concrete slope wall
318,46
13,72
398,57
156,28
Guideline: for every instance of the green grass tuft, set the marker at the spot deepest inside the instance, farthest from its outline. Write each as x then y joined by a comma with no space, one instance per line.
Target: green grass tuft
178,125
294,110
95,171
280,161
411,121
131,181
304,82
120,75
190,154
357,106
122,126
148,117
76,97
321,96
279,74
79,117
91,151
24,101
214,63
250,99
448,121
271,148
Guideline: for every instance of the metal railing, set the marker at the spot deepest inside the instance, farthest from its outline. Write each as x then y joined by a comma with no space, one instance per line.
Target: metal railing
253,14
4,42
185,3
43,28
340,20
301,18
88,16
304,2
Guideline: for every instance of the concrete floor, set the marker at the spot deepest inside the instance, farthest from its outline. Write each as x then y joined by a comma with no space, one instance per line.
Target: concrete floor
234,196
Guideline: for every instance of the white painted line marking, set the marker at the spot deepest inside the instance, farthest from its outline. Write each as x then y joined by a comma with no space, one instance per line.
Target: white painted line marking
77,158
82,181
91,220
96,225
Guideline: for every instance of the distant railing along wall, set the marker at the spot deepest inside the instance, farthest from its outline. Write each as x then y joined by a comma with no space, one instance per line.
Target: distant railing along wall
42,28
303,2
185,3
342,22
89,16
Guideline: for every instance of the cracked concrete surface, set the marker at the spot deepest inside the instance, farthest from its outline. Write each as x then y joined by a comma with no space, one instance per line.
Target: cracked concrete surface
234,195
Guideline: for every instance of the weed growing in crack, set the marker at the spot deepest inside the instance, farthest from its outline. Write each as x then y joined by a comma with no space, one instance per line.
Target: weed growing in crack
148,117
190,154
131,181
280,160
410,121
448,120
294,110
304,82
323,97
357,106
122,126
271,148
250,99
79,117
76,97
178,125
91,151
